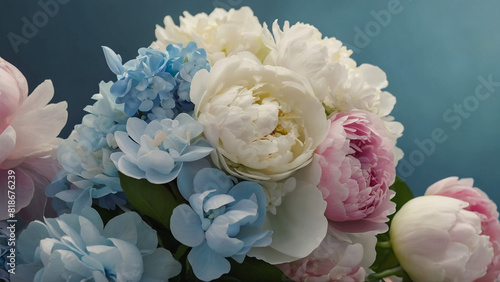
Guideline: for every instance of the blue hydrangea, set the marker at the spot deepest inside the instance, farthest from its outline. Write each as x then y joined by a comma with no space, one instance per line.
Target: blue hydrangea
77,247
158,150
222,219
85,157
183,64
156,83
4,252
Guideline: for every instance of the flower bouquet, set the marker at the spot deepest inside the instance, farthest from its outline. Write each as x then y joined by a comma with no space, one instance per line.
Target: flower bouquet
229,150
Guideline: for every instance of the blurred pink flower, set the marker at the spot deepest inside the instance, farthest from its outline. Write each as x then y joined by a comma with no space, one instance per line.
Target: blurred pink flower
28,138
13,92
479,203
357,167
340,257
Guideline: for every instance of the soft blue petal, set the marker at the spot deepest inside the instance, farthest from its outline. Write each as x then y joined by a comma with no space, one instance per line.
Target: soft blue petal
196,201
25,272
84,200
129,168
131,106
211,178
217,201
185,178
185,225
93,263
160,265
193,153
30,238
218,239
106,256
74,264
130,267
121,87
94,217
207,264
91,235
99,277
159,161
69,195
55,270
127,146
241,213
123,227
156,177
254,191
114,61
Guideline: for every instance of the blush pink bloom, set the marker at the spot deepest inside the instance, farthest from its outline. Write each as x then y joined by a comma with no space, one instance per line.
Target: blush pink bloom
481,204
340,257
28,138
357,166
13,92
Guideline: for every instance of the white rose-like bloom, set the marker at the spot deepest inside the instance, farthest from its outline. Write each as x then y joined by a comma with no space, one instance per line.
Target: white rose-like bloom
264,121
325,62
436,239
221,33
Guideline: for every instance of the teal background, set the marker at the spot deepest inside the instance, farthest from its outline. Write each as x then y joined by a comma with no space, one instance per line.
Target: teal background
435,54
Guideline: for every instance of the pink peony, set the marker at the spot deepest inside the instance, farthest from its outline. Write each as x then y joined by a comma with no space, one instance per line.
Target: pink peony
13,92
28,138
340,257
480,204
357,166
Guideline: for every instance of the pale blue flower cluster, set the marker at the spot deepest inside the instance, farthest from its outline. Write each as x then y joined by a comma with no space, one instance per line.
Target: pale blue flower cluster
222,219
77,247
85,157
4,252
183,64
156,83
158,150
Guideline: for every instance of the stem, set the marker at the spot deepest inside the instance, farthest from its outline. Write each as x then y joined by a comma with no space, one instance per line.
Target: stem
180,252
398,271
384,245
177,195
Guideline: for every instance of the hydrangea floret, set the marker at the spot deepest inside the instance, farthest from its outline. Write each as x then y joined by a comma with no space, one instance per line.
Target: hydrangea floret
157,151
157,82
85,156
81,247
222,219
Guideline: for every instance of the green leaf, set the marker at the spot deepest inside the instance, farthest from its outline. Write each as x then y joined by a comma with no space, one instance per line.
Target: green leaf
386,259
107,215
253,269
153,200
403,194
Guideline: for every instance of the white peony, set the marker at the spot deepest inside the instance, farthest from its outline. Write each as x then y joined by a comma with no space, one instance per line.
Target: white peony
340,85
264,121
221,33
436,239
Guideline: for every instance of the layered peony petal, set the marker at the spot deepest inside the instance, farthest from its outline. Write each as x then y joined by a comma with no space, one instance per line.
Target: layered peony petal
13,92
436,239
483,206
339,257
264,121
37,125
221,33
357,168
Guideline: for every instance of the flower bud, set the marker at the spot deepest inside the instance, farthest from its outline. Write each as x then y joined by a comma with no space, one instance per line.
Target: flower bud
436,239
